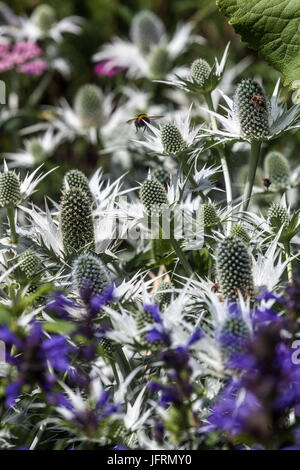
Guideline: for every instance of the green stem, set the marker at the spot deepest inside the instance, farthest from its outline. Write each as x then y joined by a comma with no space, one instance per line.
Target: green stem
289,266
254,157
186,265
35,97
11,218
223,160
189,175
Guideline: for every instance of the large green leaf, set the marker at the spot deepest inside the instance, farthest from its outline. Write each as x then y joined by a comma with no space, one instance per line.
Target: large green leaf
273,28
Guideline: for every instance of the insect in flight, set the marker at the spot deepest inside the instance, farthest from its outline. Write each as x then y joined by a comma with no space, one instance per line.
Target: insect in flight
258,102
142,120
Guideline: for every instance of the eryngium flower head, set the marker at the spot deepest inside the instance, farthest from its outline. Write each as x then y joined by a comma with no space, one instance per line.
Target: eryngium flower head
252,110
146,30
90,275
172,139
88,105
239,231
163,299
43,16
36,150
162,175
153,196
143,319
277,170
76,179
208,215
10,192
159,62
233,265
200,70
233,336
76,220
278,216
30,263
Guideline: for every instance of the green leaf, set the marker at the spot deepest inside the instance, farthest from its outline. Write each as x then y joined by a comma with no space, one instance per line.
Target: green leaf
272,28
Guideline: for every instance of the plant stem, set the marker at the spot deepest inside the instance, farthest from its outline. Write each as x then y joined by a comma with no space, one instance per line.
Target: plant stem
186,265
11,218
188,174
254,157
223,160
289,266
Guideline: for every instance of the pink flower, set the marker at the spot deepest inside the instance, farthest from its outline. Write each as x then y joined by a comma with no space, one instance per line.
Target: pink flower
104,68
36,67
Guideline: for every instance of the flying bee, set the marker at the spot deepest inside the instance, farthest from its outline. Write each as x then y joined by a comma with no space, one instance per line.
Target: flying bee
142,120
267,182
258,102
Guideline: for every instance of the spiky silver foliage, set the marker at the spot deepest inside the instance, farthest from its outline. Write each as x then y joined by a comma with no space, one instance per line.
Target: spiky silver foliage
90,275
234,273
43,16
76,179
172,139
153,196
208,216
278,216
277,170
10,191
76,220
239,231
200,70
252,110
163,299
146,30
88,105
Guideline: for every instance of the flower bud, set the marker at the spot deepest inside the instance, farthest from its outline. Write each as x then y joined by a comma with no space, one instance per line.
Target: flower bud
90,274
76,179
30,263
277,170
278,216
76,220
153,196
239,231
162,175
146,30
35,148
200,70
159,62
88,105
10,190
234,271
233,336
43,16
252,110
208,215
171,138
163,299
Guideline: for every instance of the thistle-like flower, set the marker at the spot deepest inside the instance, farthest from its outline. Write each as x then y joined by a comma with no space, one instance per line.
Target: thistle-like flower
88,105
277,170
250,116
146,30
153,196
162,175
163,296
30,263
171,139
76,220
147,46
234,272
10,189
207,215
90,276
233,335
200,70
278,216
239,231
76,179
43,16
